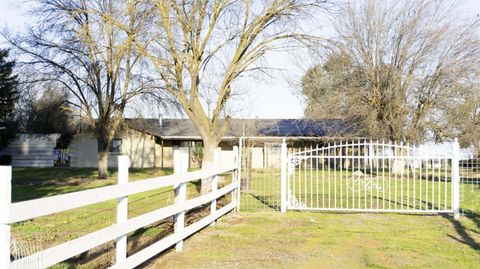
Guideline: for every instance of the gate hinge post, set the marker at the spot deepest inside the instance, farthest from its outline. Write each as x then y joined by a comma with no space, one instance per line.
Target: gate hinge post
456,179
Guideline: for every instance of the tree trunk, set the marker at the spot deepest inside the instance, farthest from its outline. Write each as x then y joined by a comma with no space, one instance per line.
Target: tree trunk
103,146
398,165
210,133
209,147
476,148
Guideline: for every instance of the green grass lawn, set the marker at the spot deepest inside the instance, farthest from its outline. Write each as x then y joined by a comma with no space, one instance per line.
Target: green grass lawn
32,183
302,239
44,232
329,240
298,239
57,228
330,188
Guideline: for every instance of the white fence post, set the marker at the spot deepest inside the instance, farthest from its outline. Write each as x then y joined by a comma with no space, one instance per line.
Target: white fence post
180,166
239,172
122,208
235,194
216,163
5,202
456,180
283,177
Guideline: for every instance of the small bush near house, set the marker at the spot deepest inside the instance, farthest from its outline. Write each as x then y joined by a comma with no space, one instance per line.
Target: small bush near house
5,159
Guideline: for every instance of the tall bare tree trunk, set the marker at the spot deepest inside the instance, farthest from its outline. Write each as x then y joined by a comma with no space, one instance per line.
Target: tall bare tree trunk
103,144
209,146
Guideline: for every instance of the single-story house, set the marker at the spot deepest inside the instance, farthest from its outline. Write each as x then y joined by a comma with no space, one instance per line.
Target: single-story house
149,142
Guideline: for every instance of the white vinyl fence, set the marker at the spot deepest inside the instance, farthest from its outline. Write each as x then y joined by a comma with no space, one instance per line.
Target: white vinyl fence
11,213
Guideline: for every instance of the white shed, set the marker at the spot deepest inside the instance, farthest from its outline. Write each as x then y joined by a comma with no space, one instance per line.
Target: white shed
32,150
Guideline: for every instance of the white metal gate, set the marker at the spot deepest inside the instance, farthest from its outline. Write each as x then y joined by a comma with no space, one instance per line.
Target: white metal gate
370,176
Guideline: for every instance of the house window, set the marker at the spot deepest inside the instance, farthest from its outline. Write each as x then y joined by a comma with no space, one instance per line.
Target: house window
116,146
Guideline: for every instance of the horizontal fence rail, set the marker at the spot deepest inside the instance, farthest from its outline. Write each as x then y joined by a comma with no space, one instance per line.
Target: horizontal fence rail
41,207
368,176
17,212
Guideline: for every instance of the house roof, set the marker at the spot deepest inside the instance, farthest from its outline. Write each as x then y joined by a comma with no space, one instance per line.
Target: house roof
178,129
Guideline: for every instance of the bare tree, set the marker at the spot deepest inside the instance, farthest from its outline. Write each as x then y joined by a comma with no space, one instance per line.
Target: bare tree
80,45
52,104
463,116
224,38
403,62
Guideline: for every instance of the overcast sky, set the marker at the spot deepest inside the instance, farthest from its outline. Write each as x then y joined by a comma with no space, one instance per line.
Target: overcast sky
268,97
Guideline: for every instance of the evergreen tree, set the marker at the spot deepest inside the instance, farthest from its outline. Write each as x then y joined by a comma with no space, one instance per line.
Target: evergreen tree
8,97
